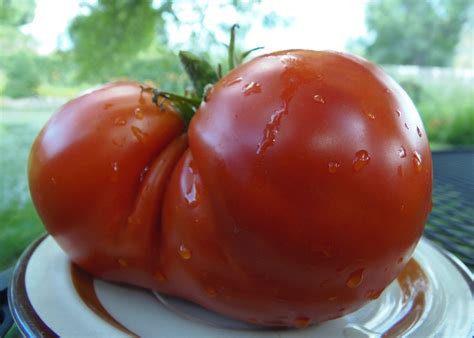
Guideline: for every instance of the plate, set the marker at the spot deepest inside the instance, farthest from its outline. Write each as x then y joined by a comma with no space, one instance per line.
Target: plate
49,296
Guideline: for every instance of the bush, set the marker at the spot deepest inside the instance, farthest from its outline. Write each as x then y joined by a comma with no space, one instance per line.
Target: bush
446,108
462,128
22,75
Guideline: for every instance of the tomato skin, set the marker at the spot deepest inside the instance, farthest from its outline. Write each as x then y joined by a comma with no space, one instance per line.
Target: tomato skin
85,173
301,195
313,198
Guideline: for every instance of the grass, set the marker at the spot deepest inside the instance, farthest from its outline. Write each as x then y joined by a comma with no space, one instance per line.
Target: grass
19,223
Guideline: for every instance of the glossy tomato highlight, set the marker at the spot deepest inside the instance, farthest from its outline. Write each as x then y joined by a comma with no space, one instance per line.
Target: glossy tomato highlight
301,195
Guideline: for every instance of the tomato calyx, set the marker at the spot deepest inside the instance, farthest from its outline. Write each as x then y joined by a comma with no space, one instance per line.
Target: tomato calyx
202,76
184,105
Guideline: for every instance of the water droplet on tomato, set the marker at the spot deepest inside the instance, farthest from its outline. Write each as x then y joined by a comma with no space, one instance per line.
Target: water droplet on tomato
402,152
332,298
233,81
373,294
252,88
387,90
371,116
119,142
53,181
417,162
115,170
139,134
139,113
318,98
143,173
402,207
115,166
289,60
211,291
122,262
120,121
355,278
333,166
271,130
400,260
400,171
361,159
184,252
108,105
192,168
301,322
418,130
191,196
406,126
398,113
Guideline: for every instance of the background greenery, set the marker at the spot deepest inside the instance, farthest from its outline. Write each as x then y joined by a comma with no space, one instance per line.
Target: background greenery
128,39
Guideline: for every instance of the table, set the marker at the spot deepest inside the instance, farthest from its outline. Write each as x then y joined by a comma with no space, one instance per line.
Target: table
451,223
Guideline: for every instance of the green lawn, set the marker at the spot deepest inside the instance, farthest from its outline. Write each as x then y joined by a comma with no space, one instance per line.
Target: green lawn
19,223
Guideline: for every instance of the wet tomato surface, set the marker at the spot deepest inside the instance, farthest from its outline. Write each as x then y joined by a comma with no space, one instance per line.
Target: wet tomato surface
297,194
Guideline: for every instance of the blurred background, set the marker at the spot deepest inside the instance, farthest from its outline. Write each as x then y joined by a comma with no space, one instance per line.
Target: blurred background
52,50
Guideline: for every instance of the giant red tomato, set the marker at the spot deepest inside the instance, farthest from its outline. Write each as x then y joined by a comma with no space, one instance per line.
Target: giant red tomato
302,194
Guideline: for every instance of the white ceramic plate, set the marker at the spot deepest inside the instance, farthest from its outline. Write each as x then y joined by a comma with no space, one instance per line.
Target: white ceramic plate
432,297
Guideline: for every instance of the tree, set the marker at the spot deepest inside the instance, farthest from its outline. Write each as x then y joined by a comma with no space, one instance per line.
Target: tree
124,38
22,75
421,32
16,13
112,34
13,15
464,56
17,58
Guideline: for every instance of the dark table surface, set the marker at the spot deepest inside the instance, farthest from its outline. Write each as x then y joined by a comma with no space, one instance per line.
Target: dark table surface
451,223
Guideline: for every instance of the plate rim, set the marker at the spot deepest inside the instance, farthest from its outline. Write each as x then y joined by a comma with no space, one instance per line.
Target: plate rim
26,318
30,323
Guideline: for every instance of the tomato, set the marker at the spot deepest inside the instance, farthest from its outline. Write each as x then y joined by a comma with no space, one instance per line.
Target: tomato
97,174
301,195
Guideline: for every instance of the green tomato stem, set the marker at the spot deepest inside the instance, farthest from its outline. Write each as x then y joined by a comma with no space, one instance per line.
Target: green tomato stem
231,51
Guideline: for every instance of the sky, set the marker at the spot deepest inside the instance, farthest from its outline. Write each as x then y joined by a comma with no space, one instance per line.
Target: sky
315,24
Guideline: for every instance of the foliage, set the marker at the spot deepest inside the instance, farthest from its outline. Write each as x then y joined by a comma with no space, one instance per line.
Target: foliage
446,109
113,33
22,75
115,37
17,59
462,127
464,57
19,222
159,67
58,69
423,32
16,13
